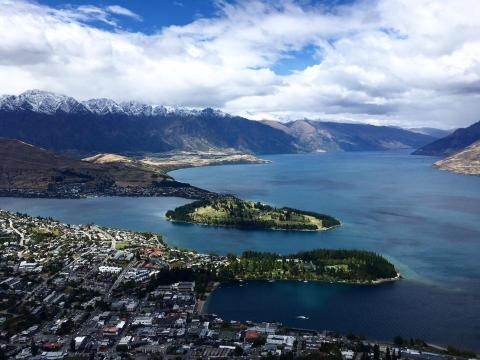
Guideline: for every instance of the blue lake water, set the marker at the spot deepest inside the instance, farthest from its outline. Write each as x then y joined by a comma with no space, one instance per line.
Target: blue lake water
424,220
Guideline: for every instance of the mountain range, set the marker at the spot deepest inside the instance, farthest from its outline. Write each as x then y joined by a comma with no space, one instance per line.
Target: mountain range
456,141
62,124
312,136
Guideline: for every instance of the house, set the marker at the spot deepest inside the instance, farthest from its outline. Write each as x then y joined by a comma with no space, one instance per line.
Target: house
79,342
281,340
25,266
109,269
143,320
185,286
125,343
54,355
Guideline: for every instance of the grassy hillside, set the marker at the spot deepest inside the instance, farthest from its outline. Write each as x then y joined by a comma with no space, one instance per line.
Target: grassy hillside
231,211
24,166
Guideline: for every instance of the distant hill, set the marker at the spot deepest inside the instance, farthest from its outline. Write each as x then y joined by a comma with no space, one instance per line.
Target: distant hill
452,143
23,166
436,133
327,136
466,161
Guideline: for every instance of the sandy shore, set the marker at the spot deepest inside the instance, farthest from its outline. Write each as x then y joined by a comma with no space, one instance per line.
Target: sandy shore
201,303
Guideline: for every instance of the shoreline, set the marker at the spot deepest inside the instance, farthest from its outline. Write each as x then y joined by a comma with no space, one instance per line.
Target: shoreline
192,166
249,228
398,277
201,303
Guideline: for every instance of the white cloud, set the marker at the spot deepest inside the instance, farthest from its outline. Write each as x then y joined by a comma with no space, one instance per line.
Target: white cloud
402,62
120,10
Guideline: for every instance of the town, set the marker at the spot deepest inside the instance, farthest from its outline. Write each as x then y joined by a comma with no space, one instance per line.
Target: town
90,292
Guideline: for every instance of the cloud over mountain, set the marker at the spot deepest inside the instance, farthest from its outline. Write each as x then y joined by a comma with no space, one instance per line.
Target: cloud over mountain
400,62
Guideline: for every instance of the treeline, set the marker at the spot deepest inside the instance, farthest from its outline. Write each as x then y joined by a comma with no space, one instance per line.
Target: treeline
359,266
322,264
182,213
328,221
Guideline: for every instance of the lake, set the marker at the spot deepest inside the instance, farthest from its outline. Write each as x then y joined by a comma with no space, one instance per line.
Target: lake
424,220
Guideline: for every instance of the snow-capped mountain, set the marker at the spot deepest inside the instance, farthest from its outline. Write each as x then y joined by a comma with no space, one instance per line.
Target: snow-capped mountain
61,123
42,102
50,103
103,106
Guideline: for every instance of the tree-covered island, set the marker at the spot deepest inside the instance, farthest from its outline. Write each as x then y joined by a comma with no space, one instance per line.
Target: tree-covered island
234,212
352,266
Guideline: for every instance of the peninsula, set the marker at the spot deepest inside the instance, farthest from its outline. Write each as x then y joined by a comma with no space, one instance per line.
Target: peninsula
234,212
466,161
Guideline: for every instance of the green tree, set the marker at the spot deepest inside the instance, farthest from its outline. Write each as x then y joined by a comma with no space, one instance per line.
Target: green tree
34,348
398,340
376,352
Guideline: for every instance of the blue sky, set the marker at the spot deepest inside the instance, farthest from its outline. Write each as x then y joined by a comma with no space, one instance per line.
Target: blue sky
155,14
159,13
410,63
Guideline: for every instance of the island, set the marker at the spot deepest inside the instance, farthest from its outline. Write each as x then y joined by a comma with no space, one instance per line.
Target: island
234,212
326,265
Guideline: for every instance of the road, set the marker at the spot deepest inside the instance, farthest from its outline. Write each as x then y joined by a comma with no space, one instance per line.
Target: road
119,278
107,235
22,237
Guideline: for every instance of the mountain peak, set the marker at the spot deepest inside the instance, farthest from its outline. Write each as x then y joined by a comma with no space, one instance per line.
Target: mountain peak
48,102
40,101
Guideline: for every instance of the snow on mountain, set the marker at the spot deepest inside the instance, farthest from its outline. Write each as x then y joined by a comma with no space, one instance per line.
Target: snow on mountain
103,106
134,108
50,103
41,101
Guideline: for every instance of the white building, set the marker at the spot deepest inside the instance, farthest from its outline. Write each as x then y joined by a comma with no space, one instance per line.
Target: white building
142,320
281,340
109,269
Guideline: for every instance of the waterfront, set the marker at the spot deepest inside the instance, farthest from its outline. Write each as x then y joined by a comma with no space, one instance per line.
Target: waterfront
424,220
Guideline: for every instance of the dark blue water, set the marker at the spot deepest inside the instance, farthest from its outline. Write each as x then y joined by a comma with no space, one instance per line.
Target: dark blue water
426,221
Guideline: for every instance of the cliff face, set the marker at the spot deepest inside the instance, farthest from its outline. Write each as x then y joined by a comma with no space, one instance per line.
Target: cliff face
466,161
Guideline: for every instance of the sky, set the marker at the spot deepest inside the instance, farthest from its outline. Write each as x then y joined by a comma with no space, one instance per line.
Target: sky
408,63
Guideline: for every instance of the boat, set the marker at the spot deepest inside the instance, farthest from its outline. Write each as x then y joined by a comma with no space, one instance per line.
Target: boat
302,317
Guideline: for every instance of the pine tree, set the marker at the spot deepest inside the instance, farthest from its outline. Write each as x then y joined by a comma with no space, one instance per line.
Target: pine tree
33,348
376,352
